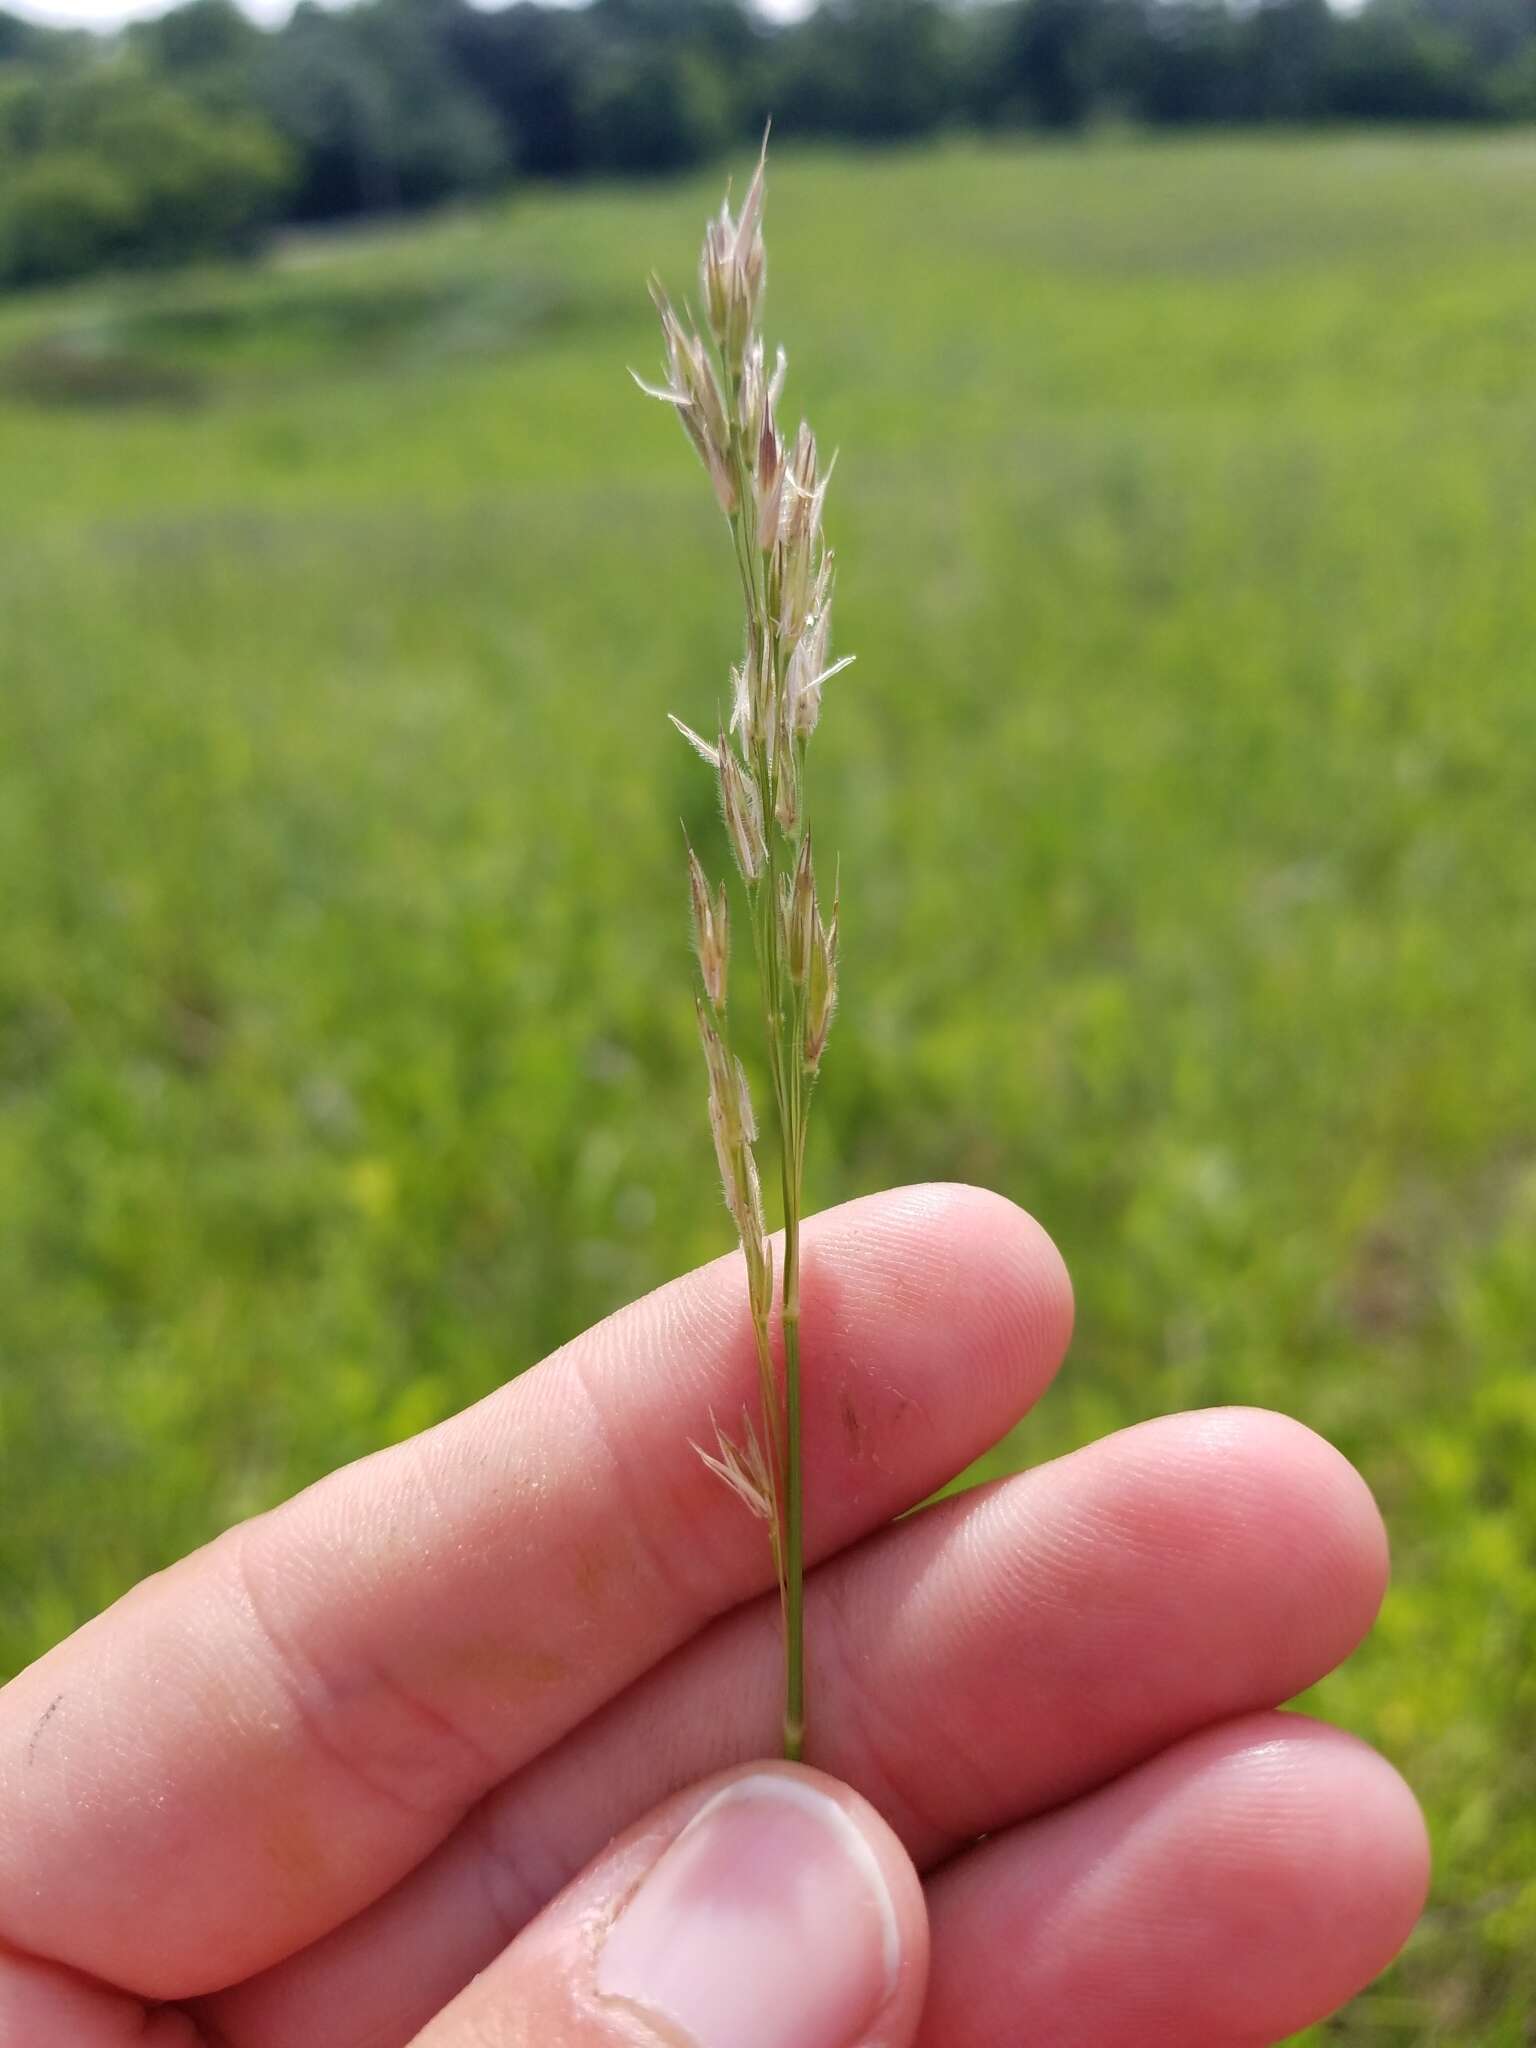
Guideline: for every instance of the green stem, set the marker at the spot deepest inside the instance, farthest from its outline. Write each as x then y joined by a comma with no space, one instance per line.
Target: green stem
794,1539
794,1514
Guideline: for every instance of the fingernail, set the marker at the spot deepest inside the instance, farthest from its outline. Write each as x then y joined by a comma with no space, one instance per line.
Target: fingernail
766,1924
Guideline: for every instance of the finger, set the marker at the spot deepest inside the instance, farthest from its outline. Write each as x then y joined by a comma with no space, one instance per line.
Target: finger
265,1738
770,1909
41,2003
990,1658
1226,1895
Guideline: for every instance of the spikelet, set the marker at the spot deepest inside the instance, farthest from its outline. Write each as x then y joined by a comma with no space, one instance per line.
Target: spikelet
744,1466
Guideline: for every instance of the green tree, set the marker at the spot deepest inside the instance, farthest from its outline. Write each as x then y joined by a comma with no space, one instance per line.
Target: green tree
1040,62
111,164
1190,63
1393,63
1288,43
197,38
1496,32
533,66
876,70
65,212
373,107
23,113
649,108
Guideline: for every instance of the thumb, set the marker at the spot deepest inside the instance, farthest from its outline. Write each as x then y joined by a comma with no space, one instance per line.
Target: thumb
767,1908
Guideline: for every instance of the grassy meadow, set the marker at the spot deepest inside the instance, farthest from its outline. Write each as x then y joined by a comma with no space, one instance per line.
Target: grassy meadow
1186,790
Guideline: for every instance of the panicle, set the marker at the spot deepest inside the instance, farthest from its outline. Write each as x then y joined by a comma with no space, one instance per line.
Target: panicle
773,490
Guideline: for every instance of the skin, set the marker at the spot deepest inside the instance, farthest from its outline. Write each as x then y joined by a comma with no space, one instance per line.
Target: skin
310,1781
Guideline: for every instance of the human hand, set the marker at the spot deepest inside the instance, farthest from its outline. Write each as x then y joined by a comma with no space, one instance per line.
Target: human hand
296,1791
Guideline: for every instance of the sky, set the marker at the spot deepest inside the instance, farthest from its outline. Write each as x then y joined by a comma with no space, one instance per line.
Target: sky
107,14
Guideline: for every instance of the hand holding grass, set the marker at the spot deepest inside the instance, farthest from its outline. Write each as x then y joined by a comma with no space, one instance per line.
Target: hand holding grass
303,1786
454,1749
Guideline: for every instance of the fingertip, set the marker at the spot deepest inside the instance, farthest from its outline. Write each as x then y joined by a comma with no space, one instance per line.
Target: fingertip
767,1907
965,1255
1247,1882
782,1912
1365,1820
1330,1834
1026,1265
1306,1484
1286,1505
898,1872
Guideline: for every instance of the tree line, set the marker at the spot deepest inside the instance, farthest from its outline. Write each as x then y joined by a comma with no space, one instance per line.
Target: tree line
194,133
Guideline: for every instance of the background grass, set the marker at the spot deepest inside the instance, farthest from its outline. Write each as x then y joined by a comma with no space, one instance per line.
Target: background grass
1185,791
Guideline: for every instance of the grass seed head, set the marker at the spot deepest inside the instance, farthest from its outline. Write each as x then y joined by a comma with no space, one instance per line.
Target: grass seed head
772,492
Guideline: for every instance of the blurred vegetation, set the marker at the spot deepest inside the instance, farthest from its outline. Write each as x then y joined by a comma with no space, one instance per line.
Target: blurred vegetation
1184,790
189,134
109,163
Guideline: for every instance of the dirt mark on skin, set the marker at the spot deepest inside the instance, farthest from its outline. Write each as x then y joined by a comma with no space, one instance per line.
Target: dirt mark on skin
853,1427
43,1719
295,1852
537,1668
493,1661
593,1571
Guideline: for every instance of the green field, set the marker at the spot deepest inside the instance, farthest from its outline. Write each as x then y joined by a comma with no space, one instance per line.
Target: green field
1186,791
